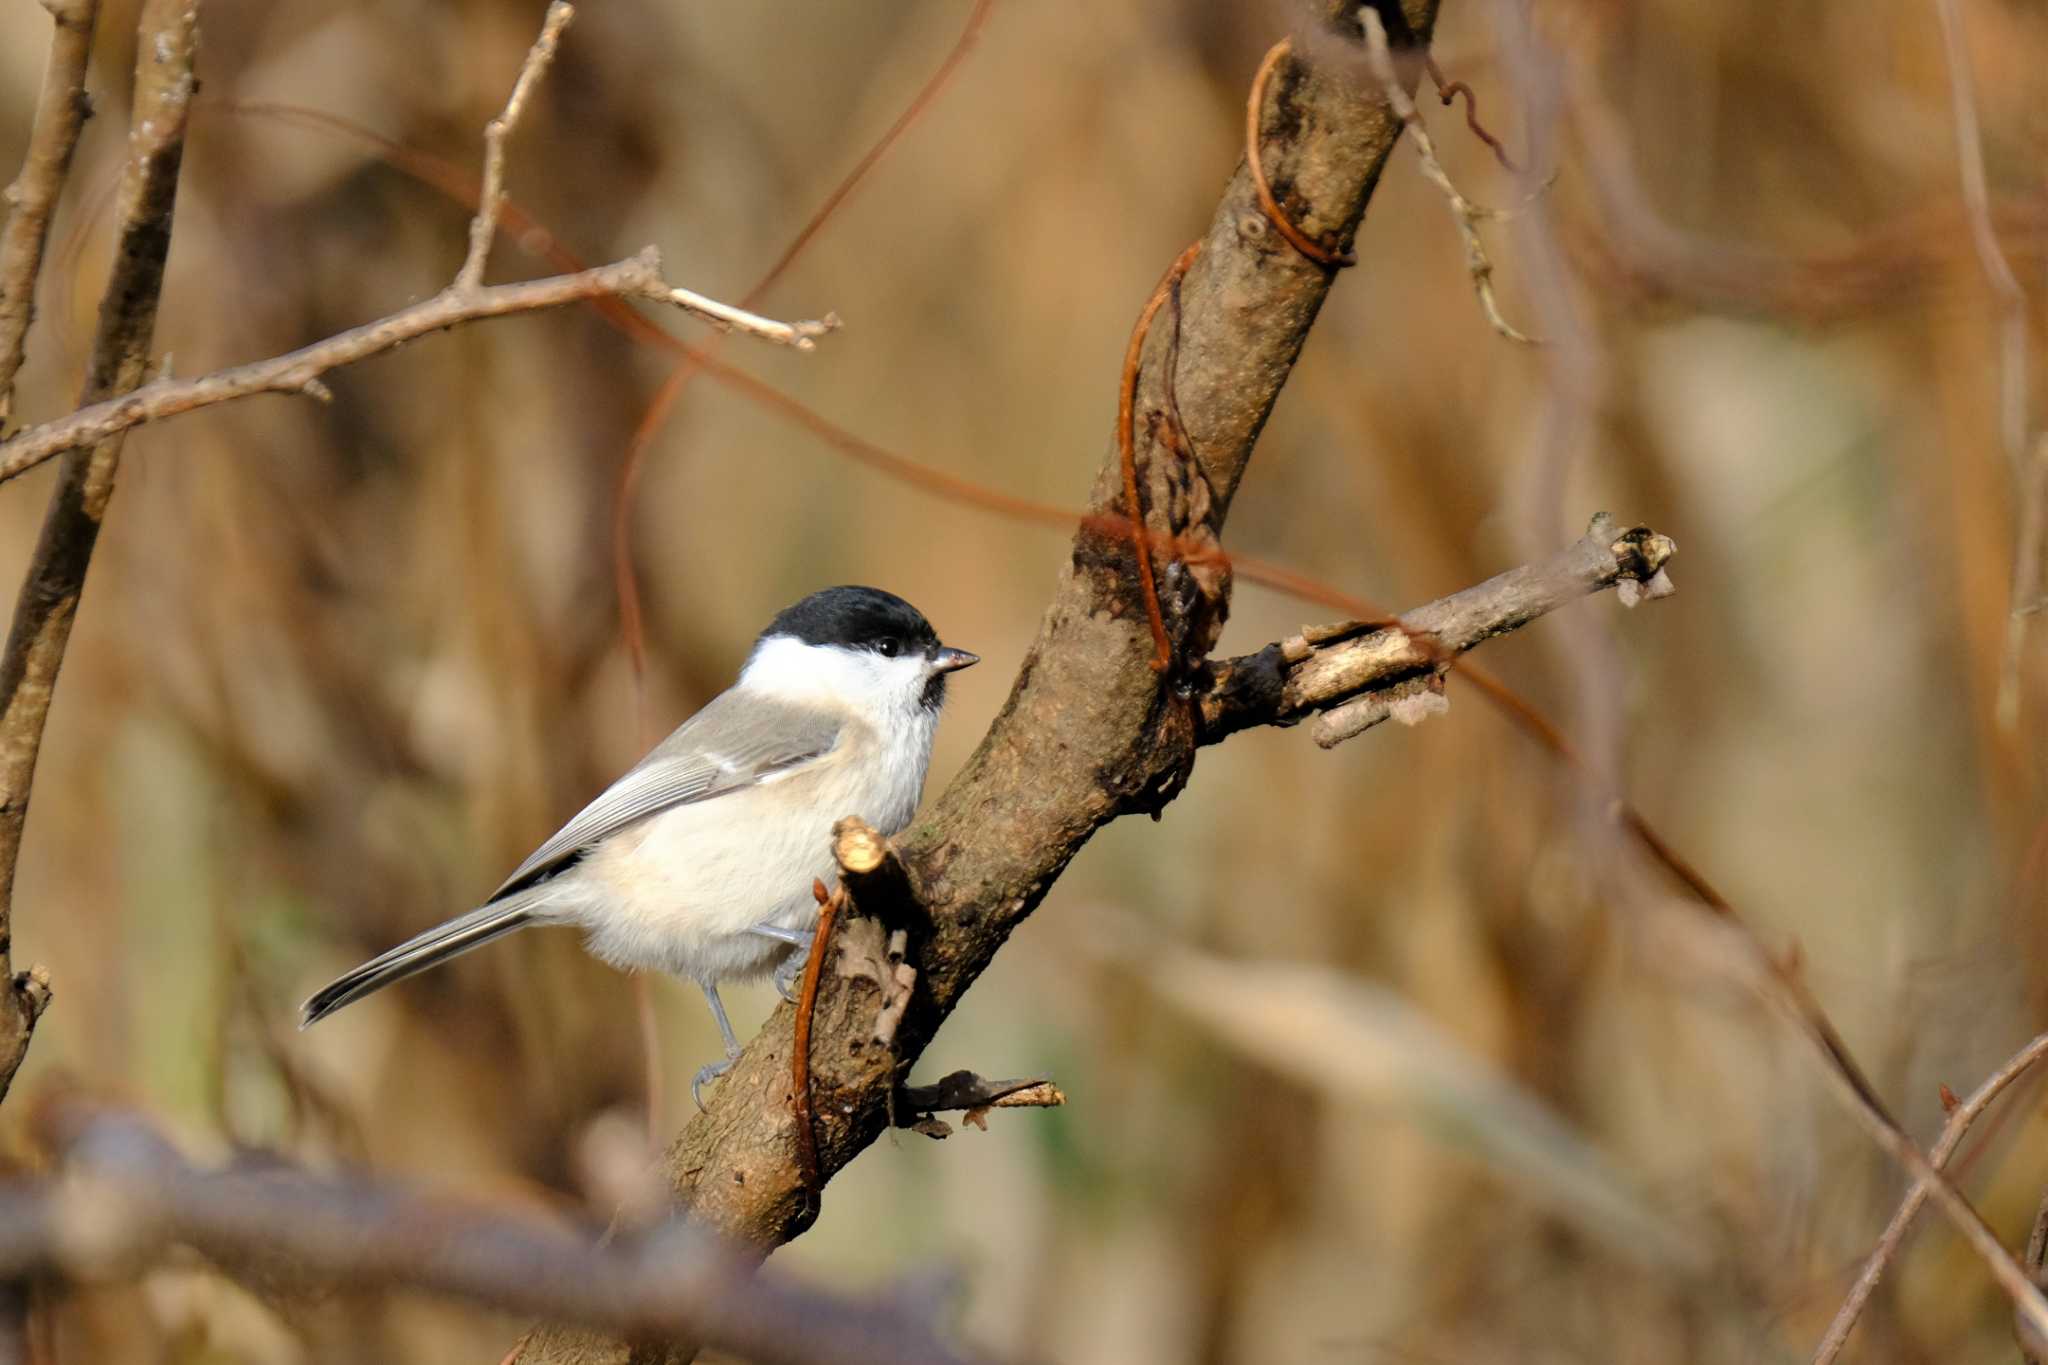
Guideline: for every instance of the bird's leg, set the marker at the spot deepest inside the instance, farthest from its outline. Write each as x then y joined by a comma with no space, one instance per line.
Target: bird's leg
791,968
713,1070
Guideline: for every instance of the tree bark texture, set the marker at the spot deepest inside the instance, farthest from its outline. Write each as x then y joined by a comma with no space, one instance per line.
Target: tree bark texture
1090,731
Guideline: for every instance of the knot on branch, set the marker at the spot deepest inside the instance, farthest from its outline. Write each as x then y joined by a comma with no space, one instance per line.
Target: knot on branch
1639,556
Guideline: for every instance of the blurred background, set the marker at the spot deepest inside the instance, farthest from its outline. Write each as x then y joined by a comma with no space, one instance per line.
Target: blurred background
1405,1075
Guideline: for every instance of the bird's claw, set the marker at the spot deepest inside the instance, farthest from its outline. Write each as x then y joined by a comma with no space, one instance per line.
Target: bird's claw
710,1071
789,972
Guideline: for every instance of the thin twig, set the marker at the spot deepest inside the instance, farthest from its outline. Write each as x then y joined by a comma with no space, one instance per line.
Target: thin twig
626,485
1467,214
1335,666
483,228
2029,592
1990,256
1239,696
1959,1121
490,203
61,111
2031,1351
50,590
800,1052
636,277
1449,91
801,335
915,1106
2031,476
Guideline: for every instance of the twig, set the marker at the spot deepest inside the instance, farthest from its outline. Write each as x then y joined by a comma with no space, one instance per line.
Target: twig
1259,689
491,202
1467,214
1448,91
800,1053
1127,391
2030,475
636,277
1983,237
1254,114
690,365
801,335
1333,666
124,1198
1961,1117
964,1091
2029,591
483,228
43,614
2032,1351
61,111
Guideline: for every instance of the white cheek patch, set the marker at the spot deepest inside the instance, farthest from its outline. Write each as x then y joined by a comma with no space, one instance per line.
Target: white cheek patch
790,670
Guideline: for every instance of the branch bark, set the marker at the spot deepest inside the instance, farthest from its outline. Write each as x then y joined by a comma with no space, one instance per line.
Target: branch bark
124,1198
164,86
61,110
1090,731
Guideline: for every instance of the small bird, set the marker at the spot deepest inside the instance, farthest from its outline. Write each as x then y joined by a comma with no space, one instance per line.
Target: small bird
699,861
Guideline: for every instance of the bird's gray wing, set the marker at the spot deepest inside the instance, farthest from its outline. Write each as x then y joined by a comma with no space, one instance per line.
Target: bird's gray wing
732,744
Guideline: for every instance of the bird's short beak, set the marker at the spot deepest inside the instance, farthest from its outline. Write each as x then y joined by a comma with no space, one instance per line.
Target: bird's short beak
953,660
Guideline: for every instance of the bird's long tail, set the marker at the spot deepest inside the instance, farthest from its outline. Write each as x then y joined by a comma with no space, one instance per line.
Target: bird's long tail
430,949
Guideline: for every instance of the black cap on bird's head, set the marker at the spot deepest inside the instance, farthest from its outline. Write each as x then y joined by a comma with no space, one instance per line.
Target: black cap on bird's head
870,619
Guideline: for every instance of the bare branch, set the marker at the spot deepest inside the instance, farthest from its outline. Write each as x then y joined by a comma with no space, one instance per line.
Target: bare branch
1467,214
124,1198
465,300
636,277
41,629
1330,666
2031,475
483,228
491,202
965,1091
1983,236
1944,1149
801,335
60,112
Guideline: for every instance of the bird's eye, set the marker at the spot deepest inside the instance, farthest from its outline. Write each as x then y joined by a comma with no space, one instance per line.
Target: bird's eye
890,648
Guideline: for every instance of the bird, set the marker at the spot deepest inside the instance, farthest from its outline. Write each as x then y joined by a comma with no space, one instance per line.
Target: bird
699,861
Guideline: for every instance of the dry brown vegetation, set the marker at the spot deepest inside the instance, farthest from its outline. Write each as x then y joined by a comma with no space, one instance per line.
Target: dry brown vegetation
1402,1051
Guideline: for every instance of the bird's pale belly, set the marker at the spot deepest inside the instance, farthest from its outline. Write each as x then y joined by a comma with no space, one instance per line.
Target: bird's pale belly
678,893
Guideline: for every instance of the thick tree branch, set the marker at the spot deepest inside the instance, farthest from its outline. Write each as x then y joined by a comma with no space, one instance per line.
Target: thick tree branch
164,84
61,111
1090,731
123,1198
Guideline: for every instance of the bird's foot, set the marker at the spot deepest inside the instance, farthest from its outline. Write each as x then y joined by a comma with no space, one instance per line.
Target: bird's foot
711,1071
790,972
